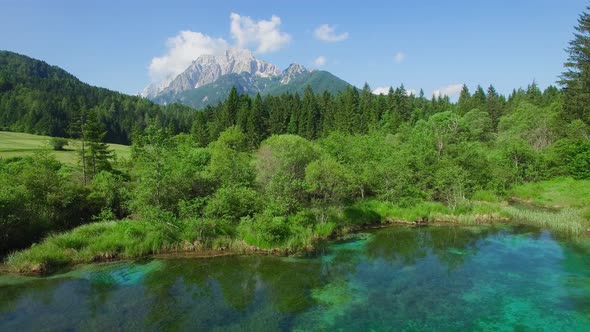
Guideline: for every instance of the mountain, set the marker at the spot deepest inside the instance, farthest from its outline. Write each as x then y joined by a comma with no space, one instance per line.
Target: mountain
209,68
38,98
208,80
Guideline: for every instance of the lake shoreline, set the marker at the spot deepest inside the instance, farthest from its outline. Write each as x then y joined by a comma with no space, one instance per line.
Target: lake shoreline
187,250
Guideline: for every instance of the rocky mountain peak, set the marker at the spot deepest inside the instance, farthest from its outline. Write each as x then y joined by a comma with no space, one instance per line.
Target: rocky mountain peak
208,68
291,72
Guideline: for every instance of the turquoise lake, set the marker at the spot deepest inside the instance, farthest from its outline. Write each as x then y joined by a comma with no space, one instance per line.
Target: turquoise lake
502,278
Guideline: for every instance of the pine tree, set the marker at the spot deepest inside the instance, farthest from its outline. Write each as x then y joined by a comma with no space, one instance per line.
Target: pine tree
230,108
478,99
97,153
576,79
464,102
255,130
310,115
199,129
401,104
493,106
367,108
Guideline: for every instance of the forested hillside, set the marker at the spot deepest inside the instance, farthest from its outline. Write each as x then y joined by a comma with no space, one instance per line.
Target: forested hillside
41,99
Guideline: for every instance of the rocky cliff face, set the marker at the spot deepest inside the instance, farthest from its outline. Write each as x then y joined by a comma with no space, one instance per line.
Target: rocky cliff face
293,71
209,68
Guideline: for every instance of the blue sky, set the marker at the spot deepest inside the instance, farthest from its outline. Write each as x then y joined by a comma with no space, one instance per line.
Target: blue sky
429,44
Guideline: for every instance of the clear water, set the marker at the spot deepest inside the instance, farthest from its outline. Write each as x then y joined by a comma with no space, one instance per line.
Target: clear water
414,279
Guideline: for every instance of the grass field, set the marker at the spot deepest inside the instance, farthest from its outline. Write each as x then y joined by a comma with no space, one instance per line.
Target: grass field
558,192
21,144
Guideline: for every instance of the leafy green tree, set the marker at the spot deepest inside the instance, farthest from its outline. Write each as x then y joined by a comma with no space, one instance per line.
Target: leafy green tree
232,203
280,171
450,184
230,163
329,184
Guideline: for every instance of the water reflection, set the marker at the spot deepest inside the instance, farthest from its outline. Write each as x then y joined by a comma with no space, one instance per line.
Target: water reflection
444,278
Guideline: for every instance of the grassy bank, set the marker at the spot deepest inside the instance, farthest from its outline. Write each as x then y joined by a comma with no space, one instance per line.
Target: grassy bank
561,205
21,144
127,239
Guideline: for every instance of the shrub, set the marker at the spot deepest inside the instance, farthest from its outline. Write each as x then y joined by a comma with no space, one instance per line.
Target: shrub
58,143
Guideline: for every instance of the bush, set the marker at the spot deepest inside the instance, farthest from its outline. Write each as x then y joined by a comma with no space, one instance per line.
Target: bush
58,143
232,203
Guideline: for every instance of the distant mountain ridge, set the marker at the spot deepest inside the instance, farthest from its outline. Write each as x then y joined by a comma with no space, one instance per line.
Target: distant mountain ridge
208,80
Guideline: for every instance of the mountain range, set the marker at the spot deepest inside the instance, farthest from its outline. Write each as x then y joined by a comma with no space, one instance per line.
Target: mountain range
209,78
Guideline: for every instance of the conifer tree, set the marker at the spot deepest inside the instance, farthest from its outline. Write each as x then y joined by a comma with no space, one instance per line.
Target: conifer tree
464,102
493,106
97,153
576,79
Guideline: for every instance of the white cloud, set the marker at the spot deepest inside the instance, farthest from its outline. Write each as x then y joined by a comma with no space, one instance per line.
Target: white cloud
326,32
265,36
385,90
181,51
399,57
381,90
449,90
320,61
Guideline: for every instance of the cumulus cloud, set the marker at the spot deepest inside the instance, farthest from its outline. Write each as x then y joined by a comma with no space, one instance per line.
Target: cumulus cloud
449,90
264,35
399,57
181,51
320,61
381,90
327,33
385,90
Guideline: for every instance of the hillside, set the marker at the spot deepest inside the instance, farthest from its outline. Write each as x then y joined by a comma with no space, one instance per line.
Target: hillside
38,98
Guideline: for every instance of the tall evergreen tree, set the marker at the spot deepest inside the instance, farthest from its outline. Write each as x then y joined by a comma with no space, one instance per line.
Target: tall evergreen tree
366,105
493,106
98,154
478,99
310,115
464,102
255,129
230,109
576,79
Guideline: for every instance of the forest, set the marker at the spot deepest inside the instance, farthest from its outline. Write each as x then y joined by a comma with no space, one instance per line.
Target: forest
277,173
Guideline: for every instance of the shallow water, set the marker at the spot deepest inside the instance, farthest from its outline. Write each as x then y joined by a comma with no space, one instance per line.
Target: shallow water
415,279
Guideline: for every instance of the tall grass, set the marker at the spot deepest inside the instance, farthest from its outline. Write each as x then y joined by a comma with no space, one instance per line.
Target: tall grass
373,211
92,242
566,221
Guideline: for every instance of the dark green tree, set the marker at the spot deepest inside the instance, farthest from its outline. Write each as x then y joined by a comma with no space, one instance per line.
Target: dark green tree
464,102
576,79
97,152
